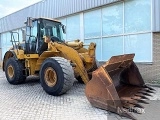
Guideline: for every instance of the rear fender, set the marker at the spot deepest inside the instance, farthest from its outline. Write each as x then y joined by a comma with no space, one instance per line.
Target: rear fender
8,55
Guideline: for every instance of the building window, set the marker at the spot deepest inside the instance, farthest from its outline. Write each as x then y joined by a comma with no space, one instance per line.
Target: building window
8,39
92,24
92,30
112,20
73,27
3,39
6,43
137,15
72,24
1,54
120,28
0,47
129,28
112,46
0,41
20,35
141,45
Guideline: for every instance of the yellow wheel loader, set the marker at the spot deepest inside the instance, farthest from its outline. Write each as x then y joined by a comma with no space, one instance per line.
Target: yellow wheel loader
115,86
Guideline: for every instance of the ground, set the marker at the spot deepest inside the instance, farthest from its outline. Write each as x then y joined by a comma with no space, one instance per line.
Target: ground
29,102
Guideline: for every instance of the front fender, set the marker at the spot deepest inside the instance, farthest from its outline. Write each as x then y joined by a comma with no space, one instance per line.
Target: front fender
71,54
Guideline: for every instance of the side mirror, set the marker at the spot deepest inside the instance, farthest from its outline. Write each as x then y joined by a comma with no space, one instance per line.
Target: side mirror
64,29
29,22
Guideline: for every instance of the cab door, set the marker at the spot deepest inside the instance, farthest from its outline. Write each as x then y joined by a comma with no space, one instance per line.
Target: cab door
31,38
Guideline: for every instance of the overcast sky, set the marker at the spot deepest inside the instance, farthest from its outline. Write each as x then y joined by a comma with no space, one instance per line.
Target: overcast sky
9,6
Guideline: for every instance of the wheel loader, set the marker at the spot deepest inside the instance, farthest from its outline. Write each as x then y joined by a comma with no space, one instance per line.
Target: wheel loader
115,86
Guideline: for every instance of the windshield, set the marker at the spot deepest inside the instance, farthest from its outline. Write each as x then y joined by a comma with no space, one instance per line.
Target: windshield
52,29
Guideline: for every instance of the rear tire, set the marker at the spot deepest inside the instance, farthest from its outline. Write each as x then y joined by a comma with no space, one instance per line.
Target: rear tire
56,76
14,71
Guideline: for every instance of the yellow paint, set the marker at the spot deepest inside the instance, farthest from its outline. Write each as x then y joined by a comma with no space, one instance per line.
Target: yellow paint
19,54
26,56
74,56
30,64
83,58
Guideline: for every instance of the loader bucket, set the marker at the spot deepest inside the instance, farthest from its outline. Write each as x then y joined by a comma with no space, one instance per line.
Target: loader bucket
118,86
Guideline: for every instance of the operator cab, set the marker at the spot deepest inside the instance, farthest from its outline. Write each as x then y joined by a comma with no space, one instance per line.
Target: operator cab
36,29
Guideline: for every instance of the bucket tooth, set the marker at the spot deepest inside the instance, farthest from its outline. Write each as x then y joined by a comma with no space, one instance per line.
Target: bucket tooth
135,102
132,103
147,90
143,101
139,99
150,91
144,93
129,100
141,96
146,86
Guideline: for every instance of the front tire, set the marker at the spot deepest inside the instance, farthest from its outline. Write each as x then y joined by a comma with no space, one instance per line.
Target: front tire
14,71
56,76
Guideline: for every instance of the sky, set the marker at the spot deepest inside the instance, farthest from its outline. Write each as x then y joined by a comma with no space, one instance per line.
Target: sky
9,6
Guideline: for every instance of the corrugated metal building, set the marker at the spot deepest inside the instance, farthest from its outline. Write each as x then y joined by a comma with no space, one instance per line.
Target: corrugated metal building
117,26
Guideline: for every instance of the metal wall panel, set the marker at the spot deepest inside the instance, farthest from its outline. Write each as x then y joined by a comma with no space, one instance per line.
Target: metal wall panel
156,15
48,8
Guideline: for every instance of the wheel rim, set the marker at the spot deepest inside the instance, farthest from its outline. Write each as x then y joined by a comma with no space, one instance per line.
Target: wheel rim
10,71
50,77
